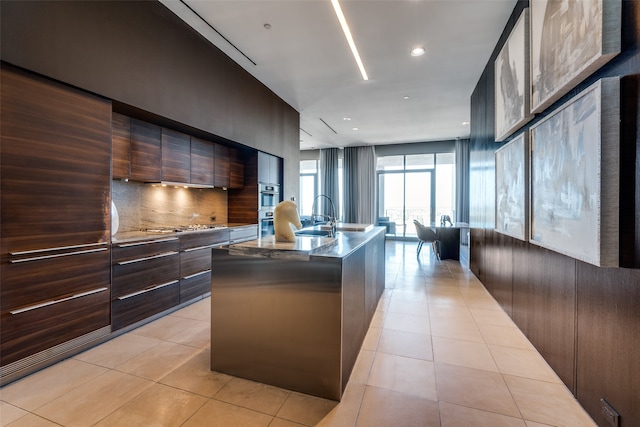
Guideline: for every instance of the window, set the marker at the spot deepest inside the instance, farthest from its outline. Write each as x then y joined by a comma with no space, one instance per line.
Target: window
415,187
308,185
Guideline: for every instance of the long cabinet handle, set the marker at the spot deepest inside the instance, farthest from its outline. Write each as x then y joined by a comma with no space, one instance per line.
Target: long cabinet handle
162,255
149,289
146,242
200,247
197,274
56,301
59,248
38,258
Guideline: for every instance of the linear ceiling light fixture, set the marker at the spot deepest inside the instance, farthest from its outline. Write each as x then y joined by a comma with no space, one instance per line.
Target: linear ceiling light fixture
349,37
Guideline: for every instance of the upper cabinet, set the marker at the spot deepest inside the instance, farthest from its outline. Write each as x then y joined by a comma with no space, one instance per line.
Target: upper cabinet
269,169
236,169
201,161
121,150
176,156
221,166
146,151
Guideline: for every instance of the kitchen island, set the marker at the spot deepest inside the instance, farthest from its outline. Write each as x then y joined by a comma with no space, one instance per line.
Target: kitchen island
295,322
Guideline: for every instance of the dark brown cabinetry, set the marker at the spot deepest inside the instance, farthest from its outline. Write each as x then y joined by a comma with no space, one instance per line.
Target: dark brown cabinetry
54,207
195,262
146,151
236,169
176,156
121,149
145,279
221,166
201,161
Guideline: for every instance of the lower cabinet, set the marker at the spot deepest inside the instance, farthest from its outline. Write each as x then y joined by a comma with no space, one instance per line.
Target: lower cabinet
50,297
195,262
243,233
145,280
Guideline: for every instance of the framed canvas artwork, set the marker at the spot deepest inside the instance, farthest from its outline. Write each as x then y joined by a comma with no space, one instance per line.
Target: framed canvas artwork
512,196
575,162
569,41
512,105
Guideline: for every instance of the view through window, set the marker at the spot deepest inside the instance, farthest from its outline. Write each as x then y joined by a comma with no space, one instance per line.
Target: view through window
308,186
415,187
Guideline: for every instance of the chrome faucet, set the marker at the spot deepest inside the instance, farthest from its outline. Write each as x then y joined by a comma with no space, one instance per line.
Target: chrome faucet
332,219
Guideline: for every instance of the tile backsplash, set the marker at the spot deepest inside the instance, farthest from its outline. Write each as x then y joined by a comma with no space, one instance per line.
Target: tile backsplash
141,206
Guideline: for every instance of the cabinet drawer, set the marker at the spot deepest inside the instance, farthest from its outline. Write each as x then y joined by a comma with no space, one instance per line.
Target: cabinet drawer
195,286
195,261
242,234
37,280
123,252
28,332
133,308
138,275
204,238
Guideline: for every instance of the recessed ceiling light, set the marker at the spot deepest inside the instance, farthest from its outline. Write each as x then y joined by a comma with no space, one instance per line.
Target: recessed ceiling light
354,128
267,26
349,37
417,51
347,119
406,97
465,123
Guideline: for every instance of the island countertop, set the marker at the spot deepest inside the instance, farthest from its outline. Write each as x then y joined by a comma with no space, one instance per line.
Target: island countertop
307,247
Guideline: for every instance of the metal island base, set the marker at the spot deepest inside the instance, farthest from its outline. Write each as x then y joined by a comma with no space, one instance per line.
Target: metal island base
292,322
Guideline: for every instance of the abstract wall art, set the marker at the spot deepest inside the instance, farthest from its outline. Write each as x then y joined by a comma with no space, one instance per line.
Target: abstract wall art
512,195
575,161
570,39
512,80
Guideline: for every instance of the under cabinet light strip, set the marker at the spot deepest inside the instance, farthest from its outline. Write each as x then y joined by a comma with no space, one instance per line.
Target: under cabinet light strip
349,37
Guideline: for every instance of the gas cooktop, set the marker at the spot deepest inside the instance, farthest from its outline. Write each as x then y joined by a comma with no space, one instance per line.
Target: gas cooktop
182,228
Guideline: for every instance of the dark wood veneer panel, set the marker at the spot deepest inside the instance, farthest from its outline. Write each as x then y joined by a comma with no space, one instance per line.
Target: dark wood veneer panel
146,151
221,168
121,146
608,347
544,306
236,169
195,286
54,164
134,309
33,282
202,160
33,331
243,203
176,156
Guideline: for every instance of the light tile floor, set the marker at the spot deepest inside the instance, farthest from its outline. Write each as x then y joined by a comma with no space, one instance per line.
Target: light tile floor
439,352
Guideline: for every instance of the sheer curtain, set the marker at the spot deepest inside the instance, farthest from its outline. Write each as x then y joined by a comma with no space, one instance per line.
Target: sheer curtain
359,170
462,180
329,181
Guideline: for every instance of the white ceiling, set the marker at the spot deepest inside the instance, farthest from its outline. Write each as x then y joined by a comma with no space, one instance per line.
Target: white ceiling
304,58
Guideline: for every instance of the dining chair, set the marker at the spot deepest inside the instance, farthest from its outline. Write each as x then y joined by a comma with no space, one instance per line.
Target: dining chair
427,235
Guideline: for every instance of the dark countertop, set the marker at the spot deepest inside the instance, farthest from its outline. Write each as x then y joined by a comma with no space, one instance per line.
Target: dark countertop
133,236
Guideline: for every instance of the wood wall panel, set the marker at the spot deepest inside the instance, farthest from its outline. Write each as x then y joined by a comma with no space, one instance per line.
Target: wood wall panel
584,320
609,341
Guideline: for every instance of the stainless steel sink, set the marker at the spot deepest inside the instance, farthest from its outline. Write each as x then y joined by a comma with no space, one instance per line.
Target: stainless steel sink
312,232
